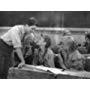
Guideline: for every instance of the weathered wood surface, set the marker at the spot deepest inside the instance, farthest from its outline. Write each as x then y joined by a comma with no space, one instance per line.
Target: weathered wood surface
40,72
29,73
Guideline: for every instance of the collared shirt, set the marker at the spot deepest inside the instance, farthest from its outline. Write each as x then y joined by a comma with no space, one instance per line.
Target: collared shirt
14,36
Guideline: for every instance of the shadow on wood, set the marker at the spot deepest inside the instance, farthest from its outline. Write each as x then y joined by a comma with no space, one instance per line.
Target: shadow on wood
40,72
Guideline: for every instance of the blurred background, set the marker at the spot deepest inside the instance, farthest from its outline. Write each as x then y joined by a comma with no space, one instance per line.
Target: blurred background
47,18
71,20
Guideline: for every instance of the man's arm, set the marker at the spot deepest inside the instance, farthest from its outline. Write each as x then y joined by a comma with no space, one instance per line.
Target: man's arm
20,55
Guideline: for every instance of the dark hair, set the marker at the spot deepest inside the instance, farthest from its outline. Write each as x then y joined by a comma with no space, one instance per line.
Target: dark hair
47,40
73,46
32,21
87,35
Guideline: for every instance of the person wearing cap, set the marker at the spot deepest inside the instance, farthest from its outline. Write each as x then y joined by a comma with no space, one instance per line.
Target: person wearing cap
12,40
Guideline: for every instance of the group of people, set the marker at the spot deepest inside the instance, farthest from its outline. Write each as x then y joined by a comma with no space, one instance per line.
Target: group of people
37,50
23,46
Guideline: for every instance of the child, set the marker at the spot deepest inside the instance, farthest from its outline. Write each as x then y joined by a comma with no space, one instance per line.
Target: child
46,56
71,56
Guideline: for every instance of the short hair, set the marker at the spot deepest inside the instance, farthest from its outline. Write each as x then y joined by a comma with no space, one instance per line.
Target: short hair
47,39
72,43
87,35
73,46
31,21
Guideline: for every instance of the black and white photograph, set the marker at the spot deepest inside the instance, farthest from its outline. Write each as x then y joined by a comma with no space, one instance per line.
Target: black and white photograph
44,44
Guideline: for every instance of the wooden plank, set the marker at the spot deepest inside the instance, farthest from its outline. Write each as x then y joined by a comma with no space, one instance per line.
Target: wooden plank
29,73
39,72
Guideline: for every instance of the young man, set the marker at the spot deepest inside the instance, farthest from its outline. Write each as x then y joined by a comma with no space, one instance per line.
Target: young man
13,40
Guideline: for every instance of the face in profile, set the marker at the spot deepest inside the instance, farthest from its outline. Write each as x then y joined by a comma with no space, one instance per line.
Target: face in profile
41,42
67,43
30,29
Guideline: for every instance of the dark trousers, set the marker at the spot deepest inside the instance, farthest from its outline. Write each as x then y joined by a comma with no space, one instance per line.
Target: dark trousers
5,55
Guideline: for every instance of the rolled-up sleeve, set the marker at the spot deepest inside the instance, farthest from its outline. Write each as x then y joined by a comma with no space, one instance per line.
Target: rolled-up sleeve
16,40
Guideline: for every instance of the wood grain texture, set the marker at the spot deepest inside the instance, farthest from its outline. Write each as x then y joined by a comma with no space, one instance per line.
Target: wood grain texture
36,73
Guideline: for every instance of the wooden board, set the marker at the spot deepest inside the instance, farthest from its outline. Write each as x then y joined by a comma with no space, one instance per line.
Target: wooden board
40,72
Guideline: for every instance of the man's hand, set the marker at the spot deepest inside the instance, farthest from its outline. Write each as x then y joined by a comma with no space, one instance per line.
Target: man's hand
22,64
20,55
